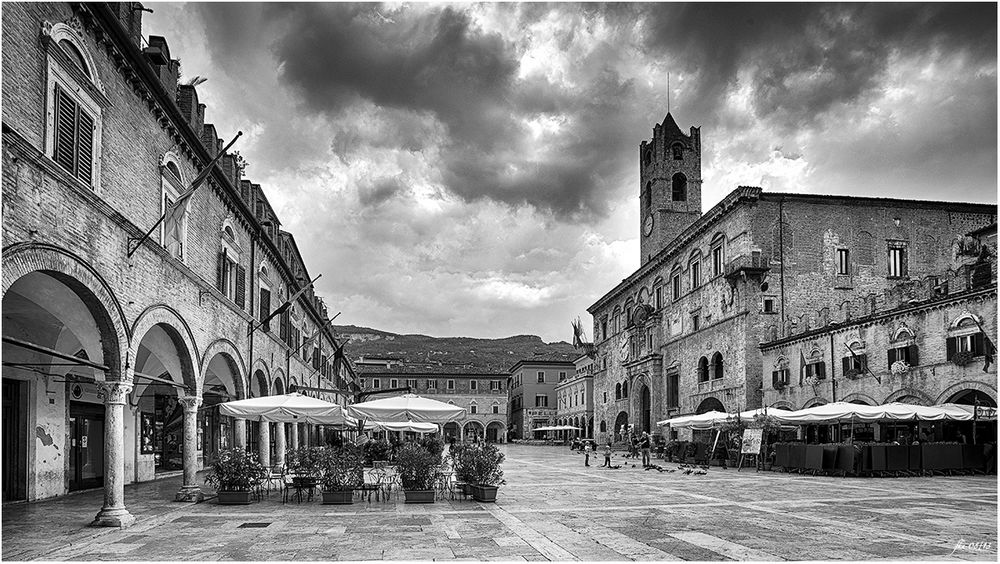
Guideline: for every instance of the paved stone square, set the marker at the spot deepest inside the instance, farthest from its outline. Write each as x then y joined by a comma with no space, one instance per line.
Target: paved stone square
552,508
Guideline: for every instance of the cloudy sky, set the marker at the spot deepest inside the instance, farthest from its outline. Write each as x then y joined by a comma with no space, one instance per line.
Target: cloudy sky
472,169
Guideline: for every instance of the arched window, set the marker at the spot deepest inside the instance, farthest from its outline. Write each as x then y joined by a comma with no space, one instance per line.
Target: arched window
173,230
75,55
678,151
694,268
678,187
703,369
625,389
718,254
717,365
618,391
676,287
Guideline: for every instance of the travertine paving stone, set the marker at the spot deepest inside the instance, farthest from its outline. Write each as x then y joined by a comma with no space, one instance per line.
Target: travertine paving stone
552,508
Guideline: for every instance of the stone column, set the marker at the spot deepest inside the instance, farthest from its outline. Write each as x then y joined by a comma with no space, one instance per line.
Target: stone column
295,436
240,433
279,443
264,444
114,514
189,489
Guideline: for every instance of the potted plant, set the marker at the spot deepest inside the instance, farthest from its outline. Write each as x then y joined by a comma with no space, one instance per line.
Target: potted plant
962,358
484,460
341,471
418,469
234,474
462,466
304,464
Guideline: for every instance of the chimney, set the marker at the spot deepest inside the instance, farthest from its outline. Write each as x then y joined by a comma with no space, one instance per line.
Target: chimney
129,15
187,102
158,56
210,140
199,122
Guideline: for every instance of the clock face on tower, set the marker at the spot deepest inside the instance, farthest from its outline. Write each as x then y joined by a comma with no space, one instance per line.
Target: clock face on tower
647,226
623,349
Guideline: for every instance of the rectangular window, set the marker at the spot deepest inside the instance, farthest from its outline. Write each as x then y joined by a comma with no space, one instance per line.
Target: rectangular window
494,385
675,285
817,369
451,384
562,376
496,408
779,376
673,390
541,400
695,274
604,329
695,322
659,297
843,261
376,383
74,137
855,363
897,266
432,384
974,344
412,384
473,385
605,397
393,383
767,304
541,377
472,409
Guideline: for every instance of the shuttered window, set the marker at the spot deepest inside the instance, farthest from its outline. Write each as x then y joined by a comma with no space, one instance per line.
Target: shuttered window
74,137
855,363
906,354
265,308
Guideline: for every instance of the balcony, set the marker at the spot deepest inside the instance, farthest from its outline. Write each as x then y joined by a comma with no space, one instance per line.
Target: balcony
747,266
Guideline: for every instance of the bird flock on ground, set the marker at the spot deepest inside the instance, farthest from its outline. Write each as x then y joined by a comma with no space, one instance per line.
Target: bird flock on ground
686,469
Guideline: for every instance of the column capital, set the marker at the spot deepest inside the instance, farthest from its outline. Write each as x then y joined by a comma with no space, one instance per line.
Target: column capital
114,392
189,403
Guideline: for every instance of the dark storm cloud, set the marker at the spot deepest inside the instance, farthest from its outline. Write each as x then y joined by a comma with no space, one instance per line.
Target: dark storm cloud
806,58
435,61
380,191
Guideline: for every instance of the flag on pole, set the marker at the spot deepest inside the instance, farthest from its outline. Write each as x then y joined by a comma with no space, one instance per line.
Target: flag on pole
288,303
863,364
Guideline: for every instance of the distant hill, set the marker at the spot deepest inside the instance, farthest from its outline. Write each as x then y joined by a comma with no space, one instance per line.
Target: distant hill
496,355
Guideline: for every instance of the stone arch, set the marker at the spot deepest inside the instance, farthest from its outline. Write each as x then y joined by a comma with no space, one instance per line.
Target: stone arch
227,348
966,315
278,382
911,392
468,426
711,403
179,332
20,259
859,397
62,32
814,401
954,389
259,379
783,404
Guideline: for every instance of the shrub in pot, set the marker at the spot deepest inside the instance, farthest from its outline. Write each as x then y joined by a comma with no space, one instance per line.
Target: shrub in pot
305,464
418,469
484,460
234,474
462,466
341,471
377,450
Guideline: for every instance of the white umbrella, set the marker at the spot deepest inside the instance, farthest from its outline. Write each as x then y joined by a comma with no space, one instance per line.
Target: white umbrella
286,408
699,422
405,408
551,428
407,426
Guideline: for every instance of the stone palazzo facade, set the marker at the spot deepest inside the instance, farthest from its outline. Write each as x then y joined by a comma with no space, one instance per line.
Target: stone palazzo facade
115,351
682,334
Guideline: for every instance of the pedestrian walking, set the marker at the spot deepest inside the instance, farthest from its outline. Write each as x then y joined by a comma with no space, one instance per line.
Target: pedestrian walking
607,455
633,447
586,454
644,447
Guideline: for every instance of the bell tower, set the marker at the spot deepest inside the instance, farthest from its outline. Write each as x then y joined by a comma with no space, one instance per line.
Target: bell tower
669,185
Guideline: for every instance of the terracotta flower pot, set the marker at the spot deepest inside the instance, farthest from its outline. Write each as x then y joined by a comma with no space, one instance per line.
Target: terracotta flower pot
340,497
486,494
234,498
419,496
